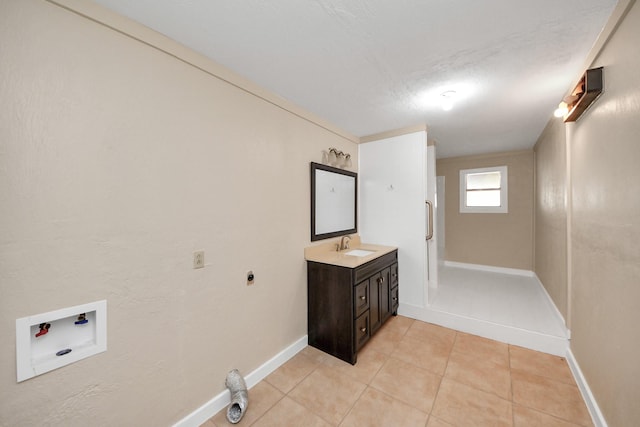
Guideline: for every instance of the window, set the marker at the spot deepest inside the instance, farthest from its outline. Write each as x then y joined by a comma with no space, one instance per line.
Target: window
484,190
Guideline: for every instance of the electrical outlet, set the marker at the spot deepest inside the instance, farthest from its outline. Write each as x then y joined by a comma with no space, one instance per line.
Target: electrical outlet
198,259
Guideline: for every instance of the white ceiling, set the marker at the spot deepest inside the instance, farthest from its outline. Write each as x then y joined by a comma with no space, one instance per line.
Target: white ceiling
370,66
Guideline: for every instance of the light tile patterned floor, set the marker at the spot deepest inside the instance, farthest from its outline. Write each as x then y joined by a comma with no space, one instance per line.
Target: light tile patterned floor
413,373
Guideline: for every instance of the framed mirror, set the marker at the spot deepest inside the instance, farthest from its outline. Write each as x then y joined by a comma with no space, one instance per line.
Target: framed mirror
334,202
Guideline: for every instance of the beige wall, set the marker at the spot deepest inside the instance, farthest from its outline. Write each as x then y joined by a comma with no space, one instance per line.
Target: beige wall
604,222
605,239
551,213
117,161
501,240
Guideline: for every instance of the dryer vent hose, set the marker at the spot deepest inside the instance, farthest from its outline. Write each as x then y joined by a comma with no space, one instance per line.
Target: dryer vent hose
239,397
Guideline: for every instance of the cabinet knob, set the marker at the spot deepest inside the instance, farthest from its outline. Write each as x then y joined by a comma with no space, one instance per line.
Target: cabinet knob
395,299
363,330
363,297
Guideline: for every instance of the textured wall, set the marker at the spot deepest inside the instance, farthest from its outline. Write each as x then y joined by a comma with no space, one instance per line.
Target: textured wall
605,239
501,240
117,161
551,212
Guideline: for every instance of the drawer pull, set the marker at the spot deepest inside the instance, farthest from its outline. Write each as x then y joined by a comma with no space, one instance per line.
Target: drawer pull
363,297
363,330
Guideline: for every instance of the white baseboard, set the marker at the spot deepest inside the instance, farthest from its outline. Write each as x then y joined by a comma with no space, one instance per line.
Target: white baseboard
589,399
213,406
490,268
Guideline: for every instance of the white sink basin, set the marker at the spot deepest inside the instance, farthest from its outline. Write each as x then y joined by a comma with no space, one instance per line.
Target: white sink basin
359,252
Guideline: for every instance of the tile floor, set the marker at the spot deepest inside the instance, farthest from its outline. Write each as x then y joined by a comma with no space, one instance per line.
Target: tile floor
413,373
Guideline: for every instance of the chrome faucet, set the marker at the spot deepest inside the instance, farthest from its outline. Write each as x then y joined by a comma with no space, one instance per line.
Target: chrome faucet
343,244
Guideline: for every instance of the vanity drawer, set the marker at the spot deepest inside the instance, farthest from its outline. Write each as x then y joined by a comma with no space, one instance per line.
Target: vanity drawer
394,275
394,300
361,298
374,266
362,330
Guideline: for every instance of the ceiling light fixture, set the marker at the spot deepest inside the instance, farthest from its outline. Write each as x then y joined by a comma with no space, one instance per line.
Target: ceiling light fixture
447,99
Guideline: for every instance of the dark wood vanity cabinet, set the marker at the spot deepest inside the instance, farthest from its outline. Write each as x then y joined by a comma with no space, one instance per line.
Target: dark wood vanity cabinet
346,306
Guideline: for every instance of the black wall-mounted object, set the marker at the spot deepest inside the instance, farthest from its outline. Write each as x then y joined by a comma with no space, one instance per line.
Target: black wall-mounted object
586,91
334,202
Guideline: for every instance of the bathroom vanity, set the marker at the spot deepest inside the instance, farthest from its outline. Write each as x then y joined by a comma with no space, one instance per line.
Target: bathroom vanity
351,294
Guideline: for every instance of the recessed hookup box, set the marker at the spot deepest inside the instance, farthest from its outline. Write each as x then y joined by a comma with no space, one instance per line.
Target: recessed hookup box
48,341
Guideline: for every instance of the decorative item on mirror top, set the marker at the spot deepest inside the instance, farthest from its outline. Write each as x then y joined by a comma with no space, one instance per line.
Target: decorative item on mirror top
336,158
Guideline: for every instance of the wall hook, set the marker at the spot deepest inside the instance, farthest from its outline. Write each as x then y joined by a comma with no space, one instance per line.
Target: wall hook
44,329
82,319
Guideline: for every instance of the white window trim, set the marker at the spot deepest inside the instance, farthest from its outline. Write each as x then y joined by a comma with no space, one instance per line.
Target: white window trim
504,191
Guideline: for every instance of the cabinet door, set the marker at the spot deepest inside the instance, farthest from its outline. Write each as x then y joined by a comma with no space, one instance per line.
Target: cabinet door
374,303
383,294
